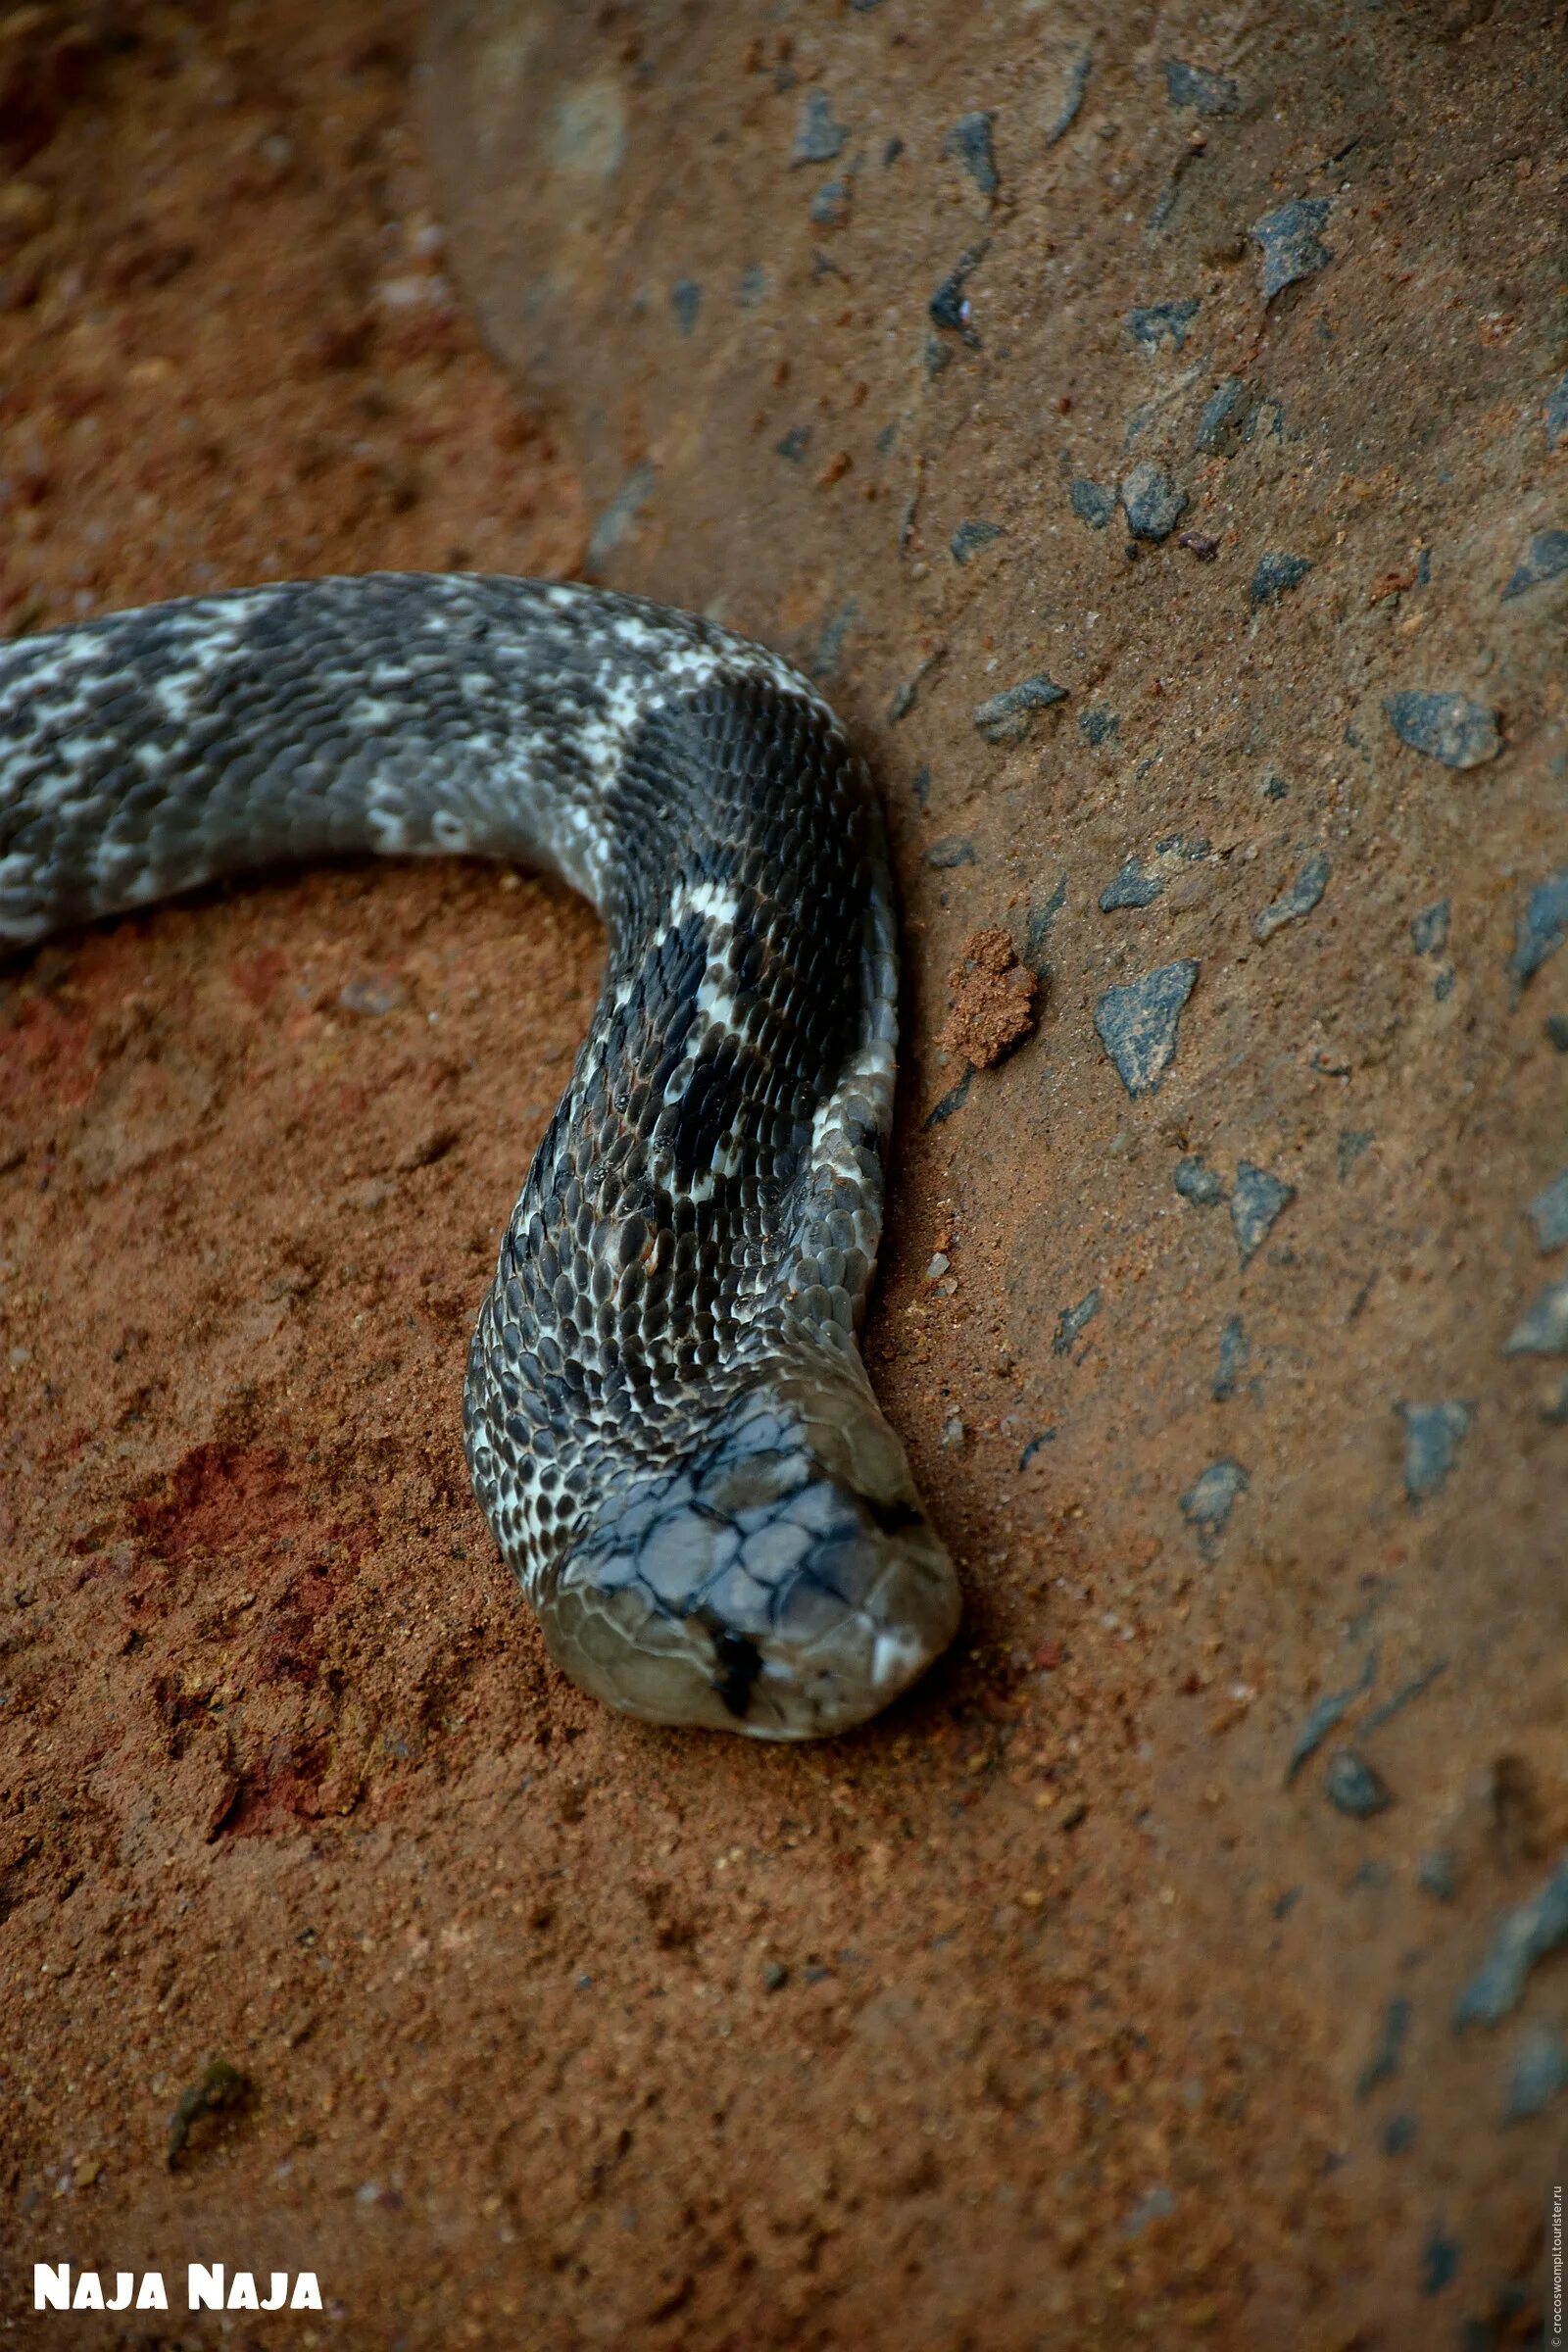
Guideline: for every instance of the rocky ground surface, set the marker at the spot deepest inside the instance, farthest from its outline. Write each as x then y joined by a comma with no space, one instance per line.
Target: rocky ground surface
1155,431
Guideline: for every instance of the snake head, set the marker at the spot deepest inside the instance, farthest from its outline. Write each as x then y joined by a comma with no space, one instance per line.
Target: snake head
785,1582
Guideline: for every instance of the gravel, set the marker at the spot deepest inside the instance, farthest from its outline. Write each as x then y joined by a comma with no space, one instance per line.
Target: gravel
1353,1786
969,142
1542,928
1138,1024
819,138
1526,1935
1433,1435
1157,323
1549,1213
1445,726
1297,901
1543,1329
1257,1201
1152,501
1545,559
1007,716
1092,502
1289,242
1132,887
1219,417
1073,1320
1195,86
1208,1502
1274,574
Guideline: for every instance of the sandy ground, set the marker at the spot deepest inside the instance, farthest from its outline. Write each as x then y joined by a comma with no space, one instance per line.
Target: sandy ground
968,2034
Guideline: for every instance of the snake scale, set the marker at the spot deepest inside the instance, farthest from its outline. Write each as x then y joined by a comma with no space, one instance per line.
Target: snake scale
667,1420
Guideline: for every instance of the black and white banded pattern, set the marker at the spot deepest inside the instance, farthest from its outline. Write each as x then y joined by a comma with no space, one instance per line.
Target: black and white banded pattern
666,1419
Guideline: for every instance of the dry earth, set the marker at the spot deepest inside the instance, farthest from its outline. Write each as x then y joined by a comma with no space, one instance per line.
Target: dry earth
1070,2006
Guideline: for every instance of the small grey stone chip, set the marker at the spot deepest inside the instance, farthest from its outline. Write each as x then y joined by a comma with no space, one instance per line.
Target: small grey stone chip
1525,1937
1352,1787
1542,927
1545,559
1073,1320
1256,1202
1433,1435
1157,323
1289,243
969,141
1152,502
1445,726
1204,1187
1543,1328
1195,86
955,849
1549,1213
1092,504
1138,1024
1210,1501
1557,414
1007,716
1297,901
1428,930
1132,887
1218,418
817,137
970,537
1540,2073
1274,574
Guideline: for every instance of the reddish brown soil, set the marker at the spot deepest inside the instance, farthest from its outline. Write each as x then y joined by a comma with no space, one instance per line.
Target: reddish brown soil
970,2032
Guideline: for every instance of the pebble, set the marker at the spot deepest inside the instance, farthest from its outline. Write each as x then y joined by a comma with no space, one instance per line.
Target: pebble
970,537
1525,1937
373,996
956,848
1204,1187
1545,559
1273,575
1543,1329
1153,504
1558,414
969,141
952,1432
1354,1141
948,305
1195,86
1132,887
1138,1024
1542,928
1323,1717
1235,1353
1099,725
1289,243
1092,502
1257,1201
1437,1874
1428,930
1445,726
1300,900
1388,2054
1549,1213
1073,1320
1007,716
830,205
1210,1501
1433,1435
1540,2072
1157,323
1075,83
795,444
1218,418
1039,926
1439,2263
819,138
1351,1786
620,517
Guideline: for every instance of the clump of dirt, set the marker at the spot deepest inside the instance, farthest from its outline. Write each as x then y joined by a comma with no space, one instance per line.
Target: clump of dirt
993,1001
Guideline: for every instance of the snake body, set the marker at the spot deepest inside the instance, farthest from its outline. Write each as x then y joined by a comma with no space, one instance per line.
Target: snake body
667,1420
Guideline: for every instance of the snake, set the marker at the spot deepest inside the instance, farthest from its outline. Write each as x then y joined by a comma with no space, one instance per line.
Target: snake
668,1421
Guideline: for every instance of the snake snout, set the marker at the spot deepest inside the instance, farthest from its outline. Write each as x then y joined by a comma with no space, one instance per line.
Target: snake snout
787,1587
